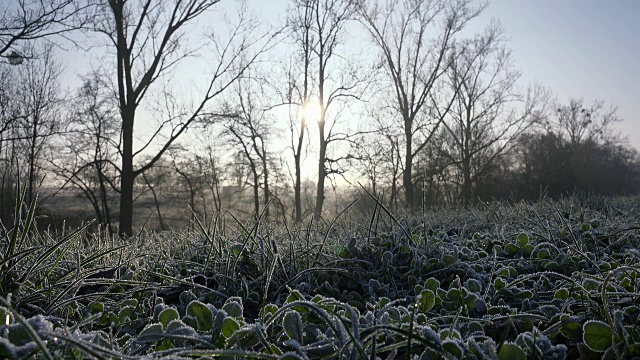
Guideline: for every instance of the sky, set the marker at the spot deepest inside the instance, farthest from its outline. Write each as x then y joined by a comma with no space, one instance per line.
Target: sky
587,49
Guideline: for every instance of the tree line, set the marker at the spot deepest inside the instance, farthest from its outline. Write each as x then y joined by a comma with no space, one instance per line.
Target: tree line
176,109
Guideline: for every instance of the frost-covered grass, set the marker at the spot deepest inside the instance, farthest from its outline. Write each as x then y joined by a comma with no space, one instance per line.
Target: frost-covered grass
551,280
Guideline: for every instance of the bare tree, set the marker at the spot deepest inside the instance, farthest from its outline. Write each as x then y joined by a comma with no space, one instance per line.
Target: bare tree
87,154
328,81
485,119
153,179
9,102
379,162
149,39
415,39
298,75
22,21
579,124
213,165
190,172
40,117
10,109
249,126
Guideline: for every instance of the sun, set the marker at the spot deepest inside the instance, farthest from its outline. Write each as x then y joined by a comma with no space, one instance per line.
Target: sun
312,110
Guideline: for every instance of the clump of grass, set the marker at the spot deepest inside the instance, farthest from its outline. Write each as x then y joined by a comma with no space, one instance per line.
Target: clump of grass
548,280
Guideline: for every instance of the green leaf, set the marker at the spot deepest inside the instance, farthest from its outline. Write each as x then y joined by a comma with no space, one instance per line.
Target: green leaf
426,300
178,327
591,284
292,324
95,307
268,311
511,249
470,300
527,249
130,302
473,285
5,316
522,240
166,345
151,333
190,321
449,259
597,335
542,254
562,293
202,313
229,326
295,295
571,330
526,294
167,315
432,284
511,351
454,294
453,348
125,313
387,258
237,249
233,309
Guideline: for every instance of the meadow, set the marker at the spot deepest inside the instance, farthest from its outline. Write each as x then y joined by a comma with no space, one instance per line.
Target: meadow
546,280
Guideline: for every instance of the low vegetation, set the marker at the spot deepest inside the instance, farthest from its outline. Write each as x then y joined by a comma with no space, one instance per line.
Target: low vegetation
552,280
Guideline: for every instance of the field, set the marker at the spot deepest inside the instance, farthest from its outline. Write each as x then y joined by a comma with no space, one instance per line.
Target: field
551,280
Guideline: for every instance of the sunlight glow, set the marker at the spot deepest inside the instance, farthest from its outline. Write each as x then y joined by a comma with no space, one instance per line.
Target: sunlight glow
312,110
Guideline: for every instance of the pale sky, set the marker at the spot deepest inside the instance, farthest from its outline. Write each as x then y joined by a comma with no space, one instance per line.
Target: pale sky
586,49
577,48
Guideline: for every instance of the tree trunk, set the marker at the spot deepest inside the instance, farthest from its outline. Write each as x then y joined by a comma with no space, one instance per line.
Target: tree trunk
407,175
32,162
266,183
466,159
106,221
155,200
297,188
256,189
126,201
127,177
467,191
322,171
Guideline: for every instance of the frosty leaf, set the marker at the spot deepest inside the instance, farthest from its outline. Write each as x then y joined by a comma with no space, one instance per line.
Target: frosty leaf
202,314
511,351
597,335
167,315
229,326
151,333
292,324
426,300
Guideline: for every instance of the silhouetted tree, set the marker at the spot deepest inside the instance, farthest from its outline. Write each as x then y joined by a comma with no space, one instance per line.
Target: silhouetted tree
148,40
300,23
553,164
87,154
332,80
42,100
23,21
415,40
248,125
488,113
